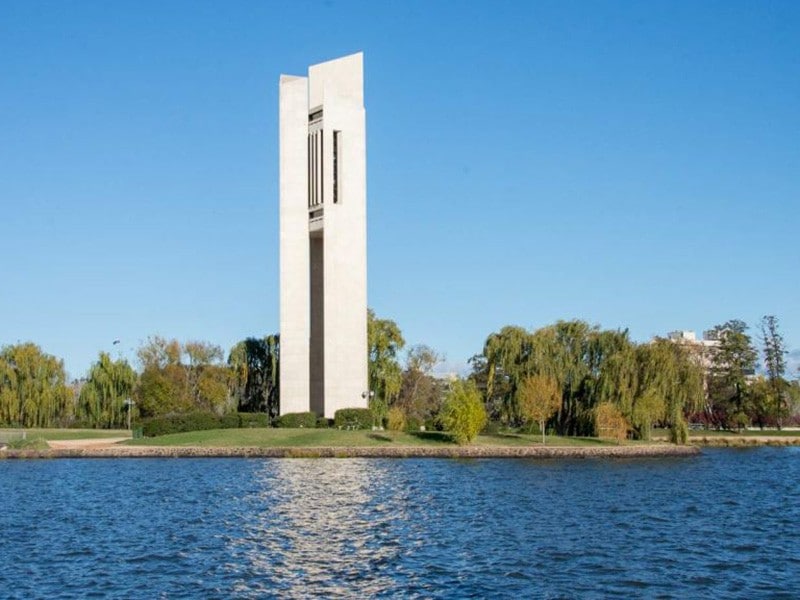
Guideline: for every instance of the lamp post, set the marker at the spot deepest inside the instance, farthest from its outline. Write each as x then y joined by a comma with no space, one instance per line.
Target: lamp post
130,404
369,395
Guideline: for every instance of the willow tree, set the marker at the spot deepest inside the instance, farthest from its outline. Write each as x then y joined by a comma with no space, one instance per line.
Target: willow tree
508,354
670,385
33,389
104,398
384,341
618,380
256,374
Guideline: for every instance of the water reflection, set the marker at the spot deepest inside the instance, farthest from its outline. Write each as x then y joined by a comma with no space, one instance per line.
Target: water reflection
720,525
319,527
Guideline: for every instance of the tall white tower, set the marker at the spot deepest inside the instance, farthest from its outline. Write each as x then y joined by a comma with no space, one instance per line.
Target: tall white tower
323,239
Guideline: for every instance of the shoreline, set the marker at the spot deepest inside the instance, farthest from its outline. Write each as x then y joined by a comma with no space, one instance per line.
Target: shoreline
638,451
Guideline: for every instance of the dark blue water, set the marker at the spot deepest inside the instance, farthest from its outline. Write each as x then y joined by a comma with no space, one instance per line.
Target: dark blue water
725,524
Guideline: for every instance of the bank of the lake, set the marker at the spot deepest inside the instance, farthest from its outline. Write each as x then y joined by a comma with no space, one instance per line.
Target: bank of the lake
450,451
333,443
730,439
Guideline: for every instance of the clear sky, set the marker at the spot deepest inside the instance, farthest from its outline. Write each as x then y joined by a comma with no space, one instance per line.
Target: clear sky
634,164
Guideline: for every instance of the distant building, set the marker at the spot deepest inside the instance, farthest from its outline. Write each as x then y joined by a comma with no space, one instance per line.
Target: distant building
702,349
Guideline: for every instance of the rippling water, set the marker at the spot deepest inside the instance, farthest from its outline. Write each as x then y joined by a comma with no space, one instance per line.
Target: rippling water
724,524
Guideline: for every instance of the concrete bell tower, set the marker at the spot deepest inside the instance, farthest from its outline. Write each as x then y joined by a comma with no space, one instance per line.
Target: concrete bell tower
323,239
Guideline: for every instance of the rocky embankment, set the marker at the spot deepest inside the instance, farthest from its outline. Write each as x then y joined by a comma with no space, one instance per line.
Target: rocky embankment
117,451
733,441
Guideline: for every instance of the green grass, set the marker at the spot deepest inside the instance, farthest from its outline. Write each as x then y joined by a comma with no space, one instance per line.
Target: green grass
64,434
749,433
701,433
298,438
35,443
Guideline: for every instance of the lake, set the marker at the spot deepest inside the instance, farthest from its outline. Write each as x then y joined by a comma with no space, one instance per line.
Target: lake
722,524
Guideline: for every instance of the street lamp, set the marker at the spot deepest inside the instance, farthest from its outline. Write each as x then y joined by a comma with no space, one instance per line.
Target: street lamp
130,404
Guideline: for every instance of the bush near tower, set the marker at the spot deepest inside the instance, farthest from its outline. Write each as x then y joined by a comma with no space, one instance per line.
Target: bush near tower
353,418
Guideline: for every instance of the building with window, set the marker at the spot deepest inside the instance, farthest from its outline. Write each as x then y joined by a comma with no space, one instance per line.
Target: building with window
323,239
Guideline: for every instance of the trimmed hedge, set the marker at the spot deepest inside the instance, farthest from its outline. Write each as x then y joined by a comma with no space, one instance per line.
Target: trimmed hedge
179,423
229,421
200,421
307,420
353,418
253,420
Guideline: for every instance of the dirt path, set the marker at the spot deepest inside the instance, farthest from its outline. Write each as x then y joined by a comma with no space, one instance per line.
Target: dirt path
85,444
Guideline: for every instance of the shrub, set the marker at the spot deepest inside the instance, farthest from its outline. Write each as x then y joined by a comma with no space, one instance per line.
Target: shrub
229,421
413,424
179,423
253,420
307,420
463,414
396,419
491,428
353,418
609,422
433,424
323,423
36,443
199,421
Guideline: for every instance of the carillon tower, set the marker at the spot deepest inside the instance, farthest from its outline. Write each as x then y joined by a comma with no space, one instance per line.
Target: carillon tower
323,239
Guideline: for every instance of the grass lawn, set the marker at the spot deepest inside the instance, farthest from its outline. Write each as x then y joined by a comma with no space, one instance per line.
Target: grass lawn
63,434
271,437
748,433
701,433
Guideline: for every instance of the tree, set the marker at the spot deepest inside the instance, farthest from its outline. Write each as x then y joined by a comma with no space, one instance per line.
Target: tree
161,392
385,376
102,399
669,384
733,361
647,409
420,393
463,414
775,363
158,352
256,369
168,384
762,405
33,389
209,381
507,354
539,398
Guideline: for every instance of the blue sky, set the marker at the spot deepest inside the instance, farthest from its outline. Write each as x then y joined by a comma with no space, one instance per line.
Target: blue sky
632,164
